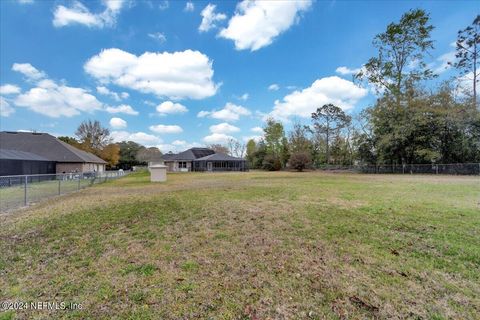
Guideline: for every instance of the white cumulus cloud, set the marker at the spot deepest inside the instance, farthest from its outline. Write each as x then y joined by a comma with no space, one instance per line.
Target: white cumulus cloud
118,123
257,130
209,18
56,100
338,91
123,108
79,14
257,23
273,87
116,96
223,128
142,138
169,107
5,108
231,112
217,138
189,6
177,75
9,89
345,70
162,128
29,71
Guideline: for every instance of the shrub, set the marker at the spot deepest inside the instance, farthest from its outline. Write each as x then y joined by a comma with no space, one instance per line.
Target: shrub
271,163
300,160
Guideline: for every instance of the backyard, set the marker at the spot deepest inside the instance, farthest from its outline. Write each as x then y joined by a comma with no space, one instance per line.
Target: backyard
256,245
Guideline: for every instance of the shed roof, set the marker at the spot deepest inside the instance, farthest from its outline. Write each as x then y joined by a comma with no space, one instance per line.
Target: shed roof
46,146
20,155
219,157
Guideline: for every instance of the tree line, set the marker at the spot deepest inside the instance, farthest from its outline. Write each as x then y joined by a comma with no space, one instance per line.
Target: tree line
411,122
92,137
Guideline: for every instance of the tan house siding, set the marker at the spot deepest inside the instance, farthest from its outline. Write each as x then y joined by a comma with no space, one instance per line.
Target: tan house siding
69,167
173,166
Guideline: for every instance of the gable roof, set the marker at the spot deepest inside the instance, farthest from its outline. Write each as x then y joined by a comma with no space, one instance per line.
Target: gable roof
46,146
219,157
189,155
20,155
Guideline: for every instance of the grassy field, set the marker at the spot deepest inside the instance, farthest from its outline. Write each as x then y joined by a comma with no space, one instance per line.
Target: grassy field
255,245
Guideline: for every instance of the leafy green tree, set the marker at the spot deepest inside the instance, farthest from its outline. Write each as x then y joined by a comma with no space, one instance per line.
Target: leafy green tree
250,152
284,152
299,138
128,154
402,45
328,120
468,54
274,134
260,154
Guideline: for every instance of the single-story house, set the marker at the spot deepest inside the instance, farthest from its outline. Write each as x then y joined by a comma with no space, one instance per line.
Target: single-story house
67,158
203,159
219,162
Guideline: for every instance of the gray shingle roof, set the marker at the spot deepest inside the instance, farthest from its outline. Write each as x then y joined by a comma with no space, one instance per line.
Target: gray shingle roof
219,157
189,155
20,155
46,146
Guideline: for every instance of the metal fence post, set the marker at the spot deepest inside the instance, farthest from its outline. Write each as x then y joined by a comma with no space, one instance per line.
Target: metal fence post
25,185
59,186
78,182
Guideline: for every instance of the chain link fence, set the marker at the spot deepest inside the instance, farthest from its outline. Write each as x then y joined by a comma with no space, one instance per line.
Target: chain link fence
453,169
24,190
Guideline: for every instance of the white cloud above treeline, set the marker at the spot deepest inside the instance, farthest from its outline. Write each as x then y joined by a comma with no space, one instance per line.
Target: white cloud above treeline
142,138
224,128
118,123
343,93
162,128
177,75
345,70
56,100
256,24
123,108
77,13
169,107
231,112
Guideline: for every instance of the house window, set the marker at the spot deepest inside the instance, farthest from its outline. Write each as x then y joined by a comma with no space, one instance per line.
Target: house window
182,164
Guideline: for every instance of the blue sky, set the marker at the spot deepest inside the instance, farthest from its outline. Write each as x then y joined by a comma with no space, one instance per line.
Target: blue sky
174,74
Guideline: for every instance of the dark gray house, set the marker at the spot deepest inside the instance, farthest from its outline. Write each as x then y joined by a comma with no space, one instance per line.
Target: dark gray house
45,146
13,162
203,159
219,162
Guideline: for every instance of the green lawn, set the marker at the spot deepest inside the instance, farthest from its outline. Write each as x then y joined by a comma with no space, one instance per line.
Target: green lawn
255,245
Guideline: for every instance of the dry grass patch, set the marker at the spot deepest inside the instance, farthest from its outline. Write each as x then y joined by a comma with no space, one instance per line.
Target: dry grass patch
250,246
